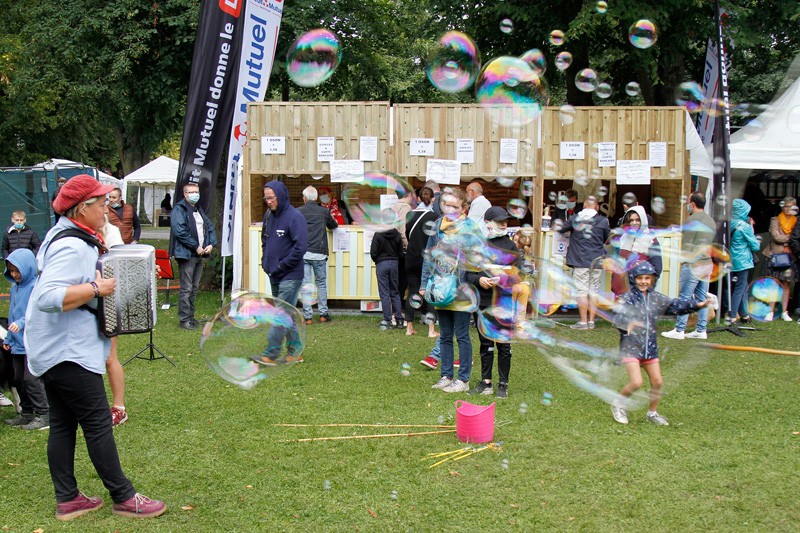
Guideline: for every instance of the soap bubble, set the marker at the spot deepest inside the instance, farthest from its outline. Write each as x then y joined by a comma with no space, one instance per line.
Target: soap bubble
506,26
552,196
405,370
566,114
536,60
523,408
629,198
429,228
690,96
253,338
753,130
510,91
547,398
633,89
561,203
602,191
762,294
563,61
517,208
363,200
658,205
550,168
308,293
313,58
505,176
415,301
326,485
527,188
642,34
603,90
504,464
440,419
581,178
393,495
556,37
586,80
455,63
601,7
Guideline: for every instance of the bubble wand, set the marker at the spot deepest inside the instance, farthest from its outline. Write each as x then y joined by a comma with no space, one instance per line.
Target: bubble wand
732,348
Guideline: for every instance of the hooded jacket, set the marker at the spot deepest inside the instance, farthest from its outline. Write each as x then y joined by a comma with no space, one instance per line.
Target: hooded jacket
589,231
385,246
284,238
25,262
645,308
743,240
500,244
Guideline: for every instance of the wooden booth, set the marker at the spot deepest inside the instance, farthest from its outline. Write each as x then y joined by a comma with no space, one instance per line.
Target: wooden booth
310,143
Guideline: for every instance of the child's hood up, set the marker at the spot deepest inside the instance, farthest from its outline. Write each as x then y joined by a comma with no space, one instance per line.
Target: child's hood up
740,210
25,262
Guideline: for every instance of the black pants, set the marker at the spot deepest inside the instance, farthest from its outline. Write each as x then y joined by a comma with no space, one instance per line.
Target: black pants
487,349
414,278
32,398
77,396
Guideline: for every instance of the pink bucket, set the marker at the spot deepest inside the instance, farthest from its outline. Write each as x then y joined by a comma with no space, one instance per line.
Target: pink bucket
474,423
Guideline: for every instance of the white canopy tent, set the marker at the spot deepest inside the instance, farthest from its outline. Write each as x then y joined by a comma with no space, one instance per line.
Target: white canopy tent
62,164
154,181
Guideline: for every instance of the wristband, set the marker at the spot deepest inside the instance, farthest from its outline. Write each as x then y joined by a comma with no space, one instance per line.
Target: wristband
96,289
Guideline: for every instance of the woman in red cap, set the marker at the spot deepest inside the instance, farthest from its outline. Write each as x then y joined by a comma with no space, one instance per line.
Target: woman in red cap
65,348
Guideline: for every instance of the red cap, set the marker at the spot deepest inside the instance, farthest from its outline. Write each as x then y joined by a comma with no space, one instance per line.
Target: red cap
78,189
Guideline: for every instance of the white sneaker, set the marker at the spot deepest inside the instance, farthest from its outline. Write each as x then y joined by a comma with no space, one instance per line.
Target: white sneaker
657,419
697,335
620,415
769,317
443,382
5,402
673,334
457,386
785,317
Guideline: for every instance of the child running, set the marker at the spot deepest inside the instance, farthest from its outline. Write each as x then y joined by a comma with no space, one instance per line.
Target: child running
636,316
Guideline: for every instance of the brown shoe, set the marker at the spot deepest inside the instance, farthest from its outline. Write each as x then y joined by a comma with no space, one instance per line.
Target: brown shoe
309,321
325,318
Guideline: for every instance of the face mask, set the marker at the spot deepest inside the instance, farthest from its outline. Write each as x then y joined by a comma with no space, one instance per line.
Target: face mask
325,199
193,197
494,232
116,205
19,226
571,205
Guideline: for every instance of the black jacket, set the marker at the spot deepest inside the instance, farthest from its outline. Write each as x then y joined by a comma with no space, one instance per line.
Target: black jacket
794,243
486,295
386,245
318,218
417,239
25,238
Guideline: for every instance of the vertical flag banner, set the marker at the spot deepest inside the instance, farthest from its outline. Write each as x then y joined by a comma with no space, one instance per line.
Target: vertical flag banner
262,20
722,131
706,119
211,97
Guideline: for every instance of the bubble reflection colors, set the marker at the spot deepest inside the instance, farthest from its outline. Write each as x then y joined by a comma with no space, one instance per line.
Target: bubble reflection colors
253,338
658,205
633,89
517,208
566,114
455,63
601,7
603,90
510,91
586,80
762,295
642,34
363,200
313,58
690,96
536,60
506,26
556,37
563,61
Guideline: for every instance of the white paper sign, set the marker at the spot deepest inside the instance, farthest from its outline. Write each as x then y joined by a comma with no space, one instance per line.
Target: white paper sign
273,145
388,200
560,244
423,147
509,148
368,148
465,150
341,240
325,148
606,154
368,235
657,153
572,150
633,172
443,171
347,171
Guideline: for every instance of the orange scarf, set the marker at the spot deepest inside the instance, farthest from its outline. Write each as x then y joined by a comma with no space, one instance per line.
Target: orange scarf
787,222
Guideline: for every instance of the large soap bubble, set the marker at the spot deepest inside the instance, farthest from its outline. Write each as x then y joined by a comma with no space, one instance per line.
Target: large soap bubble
313,58
643,34
368,200
762,296
253,338
455,63
510,90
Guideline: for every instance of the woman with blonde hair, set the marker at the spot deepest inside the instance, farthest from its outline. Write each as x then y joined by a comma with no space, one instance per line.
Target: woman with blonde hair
780,262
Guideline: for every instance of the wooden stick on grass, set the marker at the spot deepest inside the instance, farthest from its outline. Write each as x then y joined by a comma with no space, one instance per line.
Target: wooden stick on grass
361,426
371,436
734,348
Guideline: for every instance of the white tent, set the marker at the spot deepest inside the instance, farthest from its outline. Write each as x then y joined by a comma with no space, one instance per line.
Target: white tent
62,164
153,181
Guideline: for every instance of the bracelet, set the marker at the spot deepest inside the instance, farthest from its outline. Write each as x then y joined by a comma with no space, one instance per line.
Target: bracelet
96,289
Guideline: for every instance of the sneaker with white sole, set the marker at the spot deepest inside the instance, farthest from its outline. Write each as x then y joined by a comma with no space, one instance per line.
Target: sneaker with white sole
697,335
430,362
443,382
674,334
619,414
785,317
502,390
457,386
657,419
5,402
39,422
580,325
483,388
768,317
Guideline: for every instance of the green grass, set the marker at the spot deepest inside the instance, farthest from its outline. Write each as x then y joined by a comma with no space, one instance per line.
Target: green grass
726,463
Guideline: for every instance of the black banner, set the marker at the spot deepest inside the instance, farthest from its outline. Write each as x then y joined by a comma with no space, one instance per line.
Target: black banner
211,97
720,206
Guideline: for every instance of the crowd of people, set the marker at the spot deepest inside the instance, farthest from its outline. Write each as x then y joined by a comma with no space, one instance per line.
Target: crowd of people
58,356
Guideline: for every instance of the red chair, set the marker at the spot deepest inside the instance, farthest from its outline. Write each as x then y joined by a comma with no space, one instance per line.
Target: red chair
165,265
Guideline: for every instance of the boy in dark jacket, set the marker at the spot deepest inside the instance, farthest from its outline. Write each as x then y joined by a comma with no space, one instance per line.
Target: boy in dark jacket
636,317
496,219
21,272
20,235
385,251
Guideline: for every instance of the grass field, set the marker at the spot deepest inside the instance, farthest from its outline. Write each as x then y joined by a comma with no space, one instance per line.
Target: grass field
210,450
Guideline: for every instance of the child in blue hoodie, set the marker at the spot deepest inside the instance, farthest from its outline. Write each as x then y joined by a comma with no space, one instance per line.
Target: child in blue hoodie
636,316
21,272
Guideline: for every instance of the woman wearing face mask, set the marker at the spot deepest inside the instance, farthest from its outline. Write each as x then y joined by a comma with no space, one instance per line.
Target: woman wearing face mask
327,201
631,244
